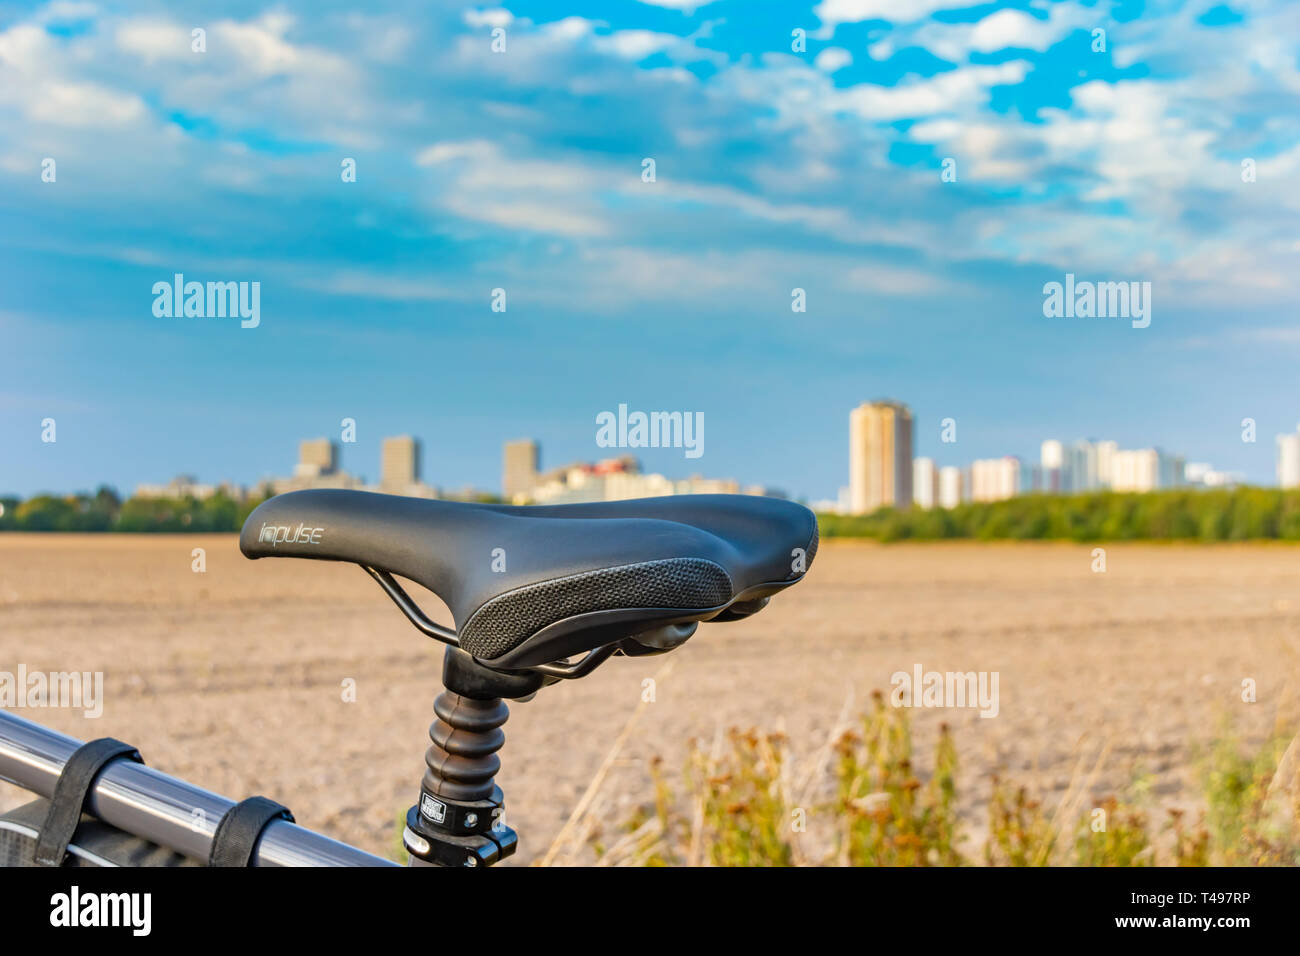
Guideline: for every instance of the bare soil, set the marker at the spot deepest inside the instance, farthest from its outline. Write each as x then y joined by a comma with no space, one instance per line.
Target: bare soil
234,678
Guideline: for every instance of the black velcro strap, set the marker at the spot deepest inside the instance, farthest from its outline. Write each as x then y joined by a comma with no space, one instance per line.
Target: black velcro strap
70,794
240,829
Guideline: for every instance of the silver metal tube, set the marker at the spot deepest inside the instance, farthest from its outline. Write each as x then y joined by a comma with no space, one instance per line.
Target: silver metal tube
150,804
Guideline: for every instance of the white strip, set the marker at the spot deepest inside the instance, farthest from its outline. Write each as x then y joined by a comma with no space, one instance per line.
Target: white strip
73,849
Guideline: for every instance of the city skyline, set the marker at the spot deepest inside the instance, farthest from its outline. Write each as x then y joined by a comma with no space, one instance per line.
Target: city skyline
320,465
883,471
1077,466
125,453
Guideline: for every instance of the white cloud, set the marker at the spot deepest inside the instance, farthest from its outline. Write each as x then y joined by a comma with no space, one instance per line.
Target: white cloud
1012,28
987,152
685,6
485,185
62,11
534,216
262,47
1002,30
25,49
154,40
35,80
833,58
1130,138
378,285
834,12
636,44
888,278
85,105
954,92
482,164
570,28
444,152
494,17
1165,147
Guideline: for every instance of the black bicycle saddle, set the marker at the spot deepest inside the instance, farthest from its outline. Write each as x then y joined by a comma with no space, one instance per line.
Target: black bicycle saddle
534,585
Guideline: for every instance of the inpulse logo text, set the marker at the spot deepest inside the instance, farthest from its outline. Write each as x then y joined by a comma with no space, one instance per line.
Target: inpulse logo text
278,534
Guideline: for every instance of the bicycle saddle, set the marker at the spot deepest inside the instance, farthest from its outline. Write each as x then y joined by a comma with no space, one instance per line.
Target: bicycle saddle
530,586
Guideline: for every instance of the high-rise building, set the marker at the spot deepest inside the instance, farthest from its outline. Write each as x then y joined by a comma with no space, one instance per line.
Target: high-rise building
317,456
1105,462
317,467
399,464
995,479
880,456
925,483
1172,470
1031,479
950,487
519,474
617,479
1081,466
1135,470
1288,459
1051,460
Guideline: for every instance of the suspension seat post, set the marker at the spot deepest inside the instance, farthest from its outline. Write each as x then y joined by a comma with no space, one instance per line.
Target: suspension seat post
459,820
462,759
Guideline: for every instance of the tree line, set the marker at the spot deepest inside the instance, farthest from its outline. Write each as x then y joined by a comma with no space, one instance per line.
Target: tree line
1227,514
105,511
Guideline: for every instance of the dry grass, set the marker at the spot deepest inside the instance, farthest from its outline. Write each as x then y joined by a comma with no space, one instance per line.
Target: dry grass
736,810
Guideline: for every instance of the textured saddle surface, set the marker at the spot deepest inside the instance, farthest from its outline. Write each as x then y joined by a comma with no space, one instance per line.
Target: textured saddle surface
529,585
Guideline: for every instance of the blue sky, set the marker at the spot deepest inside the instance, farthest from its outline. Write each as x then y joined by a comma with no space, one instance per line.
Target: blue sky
776,169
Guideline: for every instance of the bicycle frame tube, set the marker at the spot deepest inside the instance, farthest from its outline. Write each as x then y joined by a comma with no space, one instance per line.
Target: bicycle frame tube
149,804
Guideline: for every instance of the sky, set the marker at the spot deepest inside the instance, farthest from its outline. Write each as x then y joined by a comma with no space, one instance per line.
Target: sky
920,169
